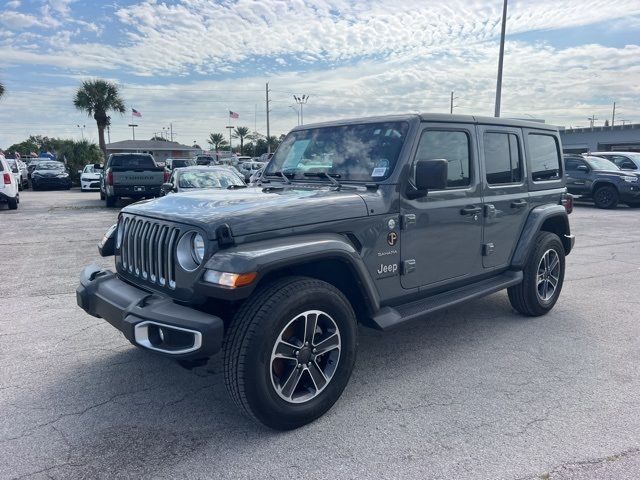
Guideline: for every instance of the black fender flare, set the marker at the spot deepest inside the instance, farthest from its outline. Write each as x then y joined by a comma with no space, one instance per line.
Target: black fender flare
537,217
268,256
602,182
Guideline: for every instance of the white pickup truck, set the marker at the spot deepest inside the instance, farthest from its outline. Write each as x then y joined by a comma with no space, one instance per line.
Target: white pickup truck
133,175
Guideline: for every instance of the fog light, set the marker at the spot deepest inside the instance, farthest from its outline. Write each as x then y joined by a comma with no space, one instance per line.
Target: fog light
231,280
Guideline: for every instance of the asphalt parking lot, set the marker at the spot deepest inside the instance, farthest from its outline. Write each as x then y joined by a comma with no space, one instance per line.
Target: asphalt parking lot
474,392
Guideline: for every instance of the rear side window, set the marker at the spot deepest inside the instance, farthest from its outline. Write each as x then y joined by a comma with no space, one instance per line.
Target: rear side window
133,161
544,157
452,146
502,158
1,166
572,164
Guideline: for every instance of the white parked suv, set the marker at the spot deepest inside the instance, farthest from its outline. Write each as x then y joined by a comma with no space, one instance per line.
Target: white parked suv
8,185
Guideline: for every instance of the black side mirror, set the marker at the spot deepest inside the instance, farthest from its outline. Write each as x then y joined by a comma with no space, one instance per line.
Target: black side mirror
582,168
431,174
166,188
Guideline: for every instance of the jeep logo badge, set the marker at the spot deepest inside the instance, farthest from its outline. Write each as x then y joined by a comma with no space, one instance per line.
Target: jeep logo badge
392,238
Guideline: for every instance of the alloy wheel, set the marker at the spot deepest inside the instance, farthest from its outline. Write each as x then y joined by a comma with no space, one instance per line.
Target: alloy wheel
548,275
305,356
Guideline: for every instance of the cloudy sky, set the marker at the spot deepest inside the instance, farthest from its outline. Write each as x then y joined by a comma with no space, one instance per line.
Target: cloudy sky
188,62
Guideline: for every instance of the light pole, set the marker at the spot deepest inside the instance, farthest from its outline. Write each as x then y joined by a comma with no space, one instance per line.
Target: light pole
297,112
301,100
501,59
230,127
592,120
81,127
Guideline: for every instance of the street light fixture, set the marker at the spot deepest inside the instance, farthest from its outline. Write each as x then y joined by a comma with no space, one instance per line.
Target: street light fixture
301,100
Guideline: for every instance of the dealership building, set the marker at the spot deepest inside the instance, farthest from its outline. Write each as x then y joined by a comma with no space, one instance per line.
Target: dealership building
625,138
160,149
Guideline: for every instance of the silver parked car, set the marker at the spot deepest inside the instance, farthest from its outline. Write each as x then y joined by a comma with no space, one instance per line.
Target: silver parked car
200,178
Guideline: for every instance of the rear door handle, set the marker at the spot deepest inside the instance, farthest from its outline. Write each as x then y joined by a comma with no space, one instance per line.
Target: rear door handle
519,204
470,210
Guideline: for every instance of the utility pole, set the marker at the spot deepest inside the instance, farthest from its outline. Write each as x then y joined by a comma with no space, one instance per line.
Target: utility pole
592,119
171,129
133,129
268,131
452,105
613,116
295,109
501,59
301,101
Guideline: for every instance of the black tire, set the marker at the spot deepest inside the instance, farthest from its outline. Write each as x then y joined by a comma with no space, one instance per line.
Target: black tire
101,195
606,197
253,334
525,297
111,201
19,186
13,203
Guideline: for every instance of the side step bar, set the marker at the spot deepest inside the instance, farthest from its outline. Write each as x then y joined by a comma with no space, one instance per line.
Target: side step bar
389,317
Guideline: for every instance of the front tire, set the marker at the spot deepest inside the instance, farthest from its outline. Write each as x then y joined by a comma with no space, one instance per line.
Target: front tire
606,197
290,351
543,277
111,201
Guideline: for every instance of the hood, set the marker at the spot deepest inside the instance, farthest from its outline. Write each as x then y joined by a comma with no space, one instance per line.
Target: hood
253,210
618,173
48,173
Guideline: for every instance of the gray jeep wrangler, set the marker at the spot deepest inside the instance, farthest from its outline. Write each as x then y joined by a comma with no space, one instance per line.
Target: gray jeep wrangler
375,221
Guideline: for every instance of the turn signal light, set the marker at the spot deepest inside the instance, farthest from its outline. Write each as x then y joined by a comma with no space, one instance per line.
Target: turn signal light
231,280
7,178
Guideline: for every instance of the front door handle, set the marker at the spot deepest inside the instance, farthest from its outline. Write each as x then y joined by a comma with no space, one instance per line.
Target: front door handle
519,204
470,210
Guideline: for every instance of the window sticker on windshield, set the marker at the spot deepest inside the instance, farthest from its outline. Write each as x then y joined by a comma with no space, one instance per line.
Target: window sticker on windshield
379,172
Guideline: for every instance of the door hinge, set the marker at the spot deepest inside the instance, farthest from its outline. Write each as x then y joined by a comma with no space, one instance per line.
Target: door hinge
488,249
407,220
408,266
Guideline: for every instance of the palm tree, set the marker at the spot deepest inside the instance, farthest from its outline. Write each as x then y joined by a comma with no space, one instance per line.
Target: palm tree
216,140
241,132
97,98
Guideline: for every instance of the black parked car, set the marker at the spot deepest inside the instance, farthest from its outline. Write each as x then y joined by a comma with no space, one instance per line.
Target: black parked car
190,179
602,181
50,174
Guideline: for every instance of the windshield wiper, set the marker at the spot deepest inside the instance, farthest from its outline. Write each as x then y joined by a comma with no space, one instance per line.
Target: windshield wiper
282,175
331,177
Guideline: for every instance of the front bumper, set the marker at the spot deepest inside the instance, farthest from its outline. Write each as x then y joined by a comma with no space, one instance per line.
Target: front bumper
51,182
149,320
630,192
90,184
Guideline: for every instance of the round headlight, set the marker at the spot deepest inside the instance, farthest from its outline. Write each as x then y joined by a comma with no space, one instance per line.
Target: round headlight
197,248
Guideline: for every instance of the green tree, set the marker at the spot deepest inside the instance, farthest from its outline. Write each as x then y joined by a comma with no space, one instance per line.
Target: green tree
97,98
216,140
241,133
77,154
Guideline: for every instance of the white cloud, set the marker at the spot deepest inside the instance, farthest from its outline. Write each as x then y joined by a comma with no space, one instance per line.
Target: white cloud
13,4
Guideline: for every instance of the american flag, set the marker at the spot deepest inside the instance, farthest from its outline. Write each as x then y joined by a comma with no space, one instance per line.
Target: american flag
233,114
135,113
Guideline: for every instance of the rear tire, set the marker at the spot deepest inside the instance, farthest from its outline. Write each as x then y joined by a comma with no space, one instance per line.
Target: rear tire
290,389
111,201
13,203
606,197
543,279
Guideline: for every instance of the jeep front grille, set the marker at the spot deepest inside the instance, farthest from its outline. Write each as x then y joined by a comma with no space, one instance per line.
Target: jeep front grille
148,250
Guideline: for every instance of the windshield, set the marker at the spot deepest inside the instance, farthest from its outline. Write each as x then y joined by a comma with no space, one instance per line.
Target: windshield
601,163
182,163
90,169
362,152
132,161
50,166
212,179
